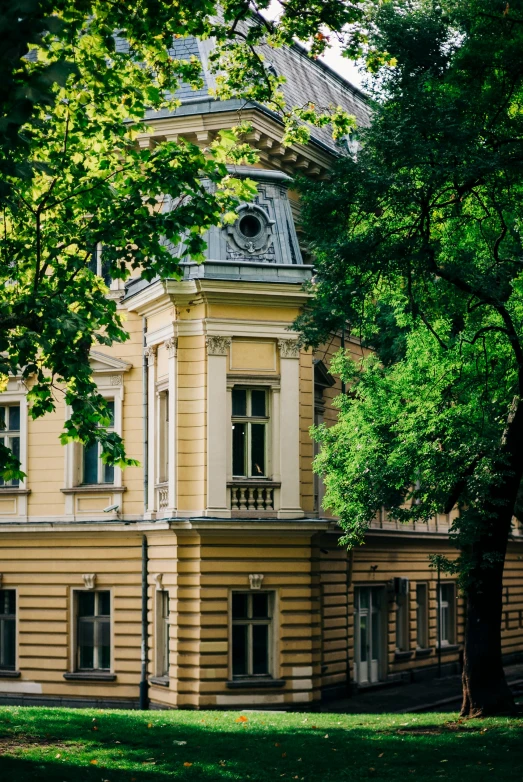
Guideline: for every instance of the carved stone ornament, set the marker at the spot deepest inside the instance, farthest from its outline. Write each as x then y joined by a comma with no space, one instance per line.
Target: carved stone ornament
289,348
89,580
256,580
218,346
252,231
150,354
158,581
116,380
171,346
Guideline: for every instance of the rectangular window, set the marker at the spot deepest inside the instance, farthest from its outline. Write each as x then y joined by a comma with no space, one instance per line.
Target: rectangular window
98,266
93,616
93,469
7,629
447,614
163,471
250,420
252,634
162,632
422,615
10,434
402,622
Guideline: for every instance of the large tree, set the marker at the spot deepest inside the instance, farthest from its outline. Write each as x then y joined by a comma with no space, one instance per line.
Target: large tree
76,80
420,258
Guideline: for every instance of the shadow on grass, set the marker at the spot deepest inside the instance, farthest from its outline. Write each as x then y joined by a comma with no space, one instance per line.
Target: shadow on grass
61,745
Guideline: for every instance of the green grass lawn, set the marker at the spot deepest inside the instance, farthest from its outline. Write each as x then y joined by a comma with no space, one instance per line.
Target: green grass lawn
69,745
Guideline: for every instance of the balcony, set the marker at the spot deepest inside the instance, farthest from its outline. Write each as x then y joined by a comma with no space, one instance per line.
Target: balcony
162,495
252,498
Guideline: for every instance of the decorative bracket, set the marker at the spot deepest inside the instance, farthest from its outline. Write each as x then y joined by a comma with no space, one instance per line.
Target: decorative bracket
150,355
158,581
89,580
171,346
255,580
289,348
218,346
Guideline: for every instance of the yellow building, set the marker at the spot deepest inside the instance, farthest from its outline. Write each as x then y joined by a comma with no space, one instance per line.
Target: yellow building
249,598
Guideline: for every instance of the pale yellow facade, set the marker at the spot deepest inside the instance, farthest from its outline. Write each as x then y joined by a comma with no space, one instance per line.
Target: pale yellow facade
216,538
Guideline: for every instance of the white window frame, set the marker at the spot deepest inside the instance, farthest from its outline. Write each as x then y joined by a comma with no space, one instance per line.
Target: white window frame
448,606
162,635
272,636
16,394
74,650
266,421
100,465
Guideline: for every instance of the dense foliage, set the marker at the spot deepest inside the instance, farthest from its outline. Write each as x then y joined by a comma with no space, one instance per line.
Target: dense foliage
419,249
76,80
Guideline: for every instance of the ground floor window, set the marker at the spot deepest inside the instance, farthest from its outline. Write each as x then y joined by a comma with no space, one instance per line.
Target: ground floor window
7,629
422,616
252,631
402,616
447,614
162,632
93,616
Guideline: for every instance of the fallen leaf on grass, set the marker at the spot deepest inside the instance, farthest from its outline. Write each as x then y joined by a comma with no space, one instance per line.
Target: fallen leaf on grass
179,743
242,719
381,754
284,754
150,725
58,756
187,764
93,762
277,744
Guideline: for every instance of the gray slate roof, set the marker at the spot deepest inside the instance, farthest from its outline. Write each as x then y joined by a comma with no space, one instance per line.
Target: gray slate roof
307,80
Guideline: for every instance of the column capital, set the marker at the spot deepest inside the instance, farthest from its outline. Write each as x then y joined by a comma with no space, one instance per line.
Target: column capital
150,354
171,346
289,348
218,346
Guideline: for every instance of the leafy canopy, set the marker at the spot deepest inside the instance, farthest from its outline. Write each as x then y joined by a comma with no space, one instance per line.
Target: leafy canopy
76,80
420,257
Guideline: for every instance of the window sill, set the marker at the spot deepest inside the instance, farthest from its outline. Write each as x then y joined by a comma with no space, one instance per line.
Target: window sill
448,648
14,490
423,652
254,684
5,674
94,488
400,656
159,681
253,482
90,676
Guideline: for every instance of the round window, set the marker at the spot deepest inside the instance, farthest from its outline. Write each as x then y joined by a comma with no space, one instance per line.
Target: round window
250,226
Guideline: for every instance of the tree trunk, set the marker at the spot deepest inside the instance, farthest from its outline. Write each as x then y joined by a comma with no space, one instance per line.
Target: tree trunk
485,690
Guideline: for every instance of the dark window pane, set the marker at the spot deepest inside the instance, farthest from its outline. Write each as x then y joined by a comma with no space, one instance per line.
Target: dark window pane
260,606
86,603
104,643
106,271
238,449
257,450
239,401
7,643
15,447
260,649
86,643
14,418
104,603
93,261
240,605
108,472
91,463
7,601
110,412
2,418
258,404
239,650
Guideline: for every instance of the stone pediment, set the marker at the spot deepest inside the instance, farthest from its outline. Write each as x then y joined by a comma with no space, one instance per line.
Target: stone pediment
101,364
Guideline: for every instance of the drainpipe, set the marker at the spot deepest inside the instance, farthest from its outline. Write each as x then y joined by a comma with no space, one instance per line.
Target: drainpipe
145,397
144,684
